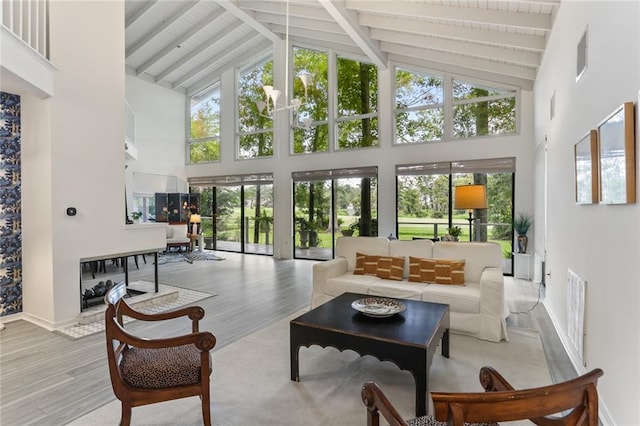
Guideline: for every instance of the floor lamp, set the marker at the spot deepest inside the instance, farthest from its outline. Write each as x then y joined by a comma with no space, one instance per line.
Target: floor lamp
470,197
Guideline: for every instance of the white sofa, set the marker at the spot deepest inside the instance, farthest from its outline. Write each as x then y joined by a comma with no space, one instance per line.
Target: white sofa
477,308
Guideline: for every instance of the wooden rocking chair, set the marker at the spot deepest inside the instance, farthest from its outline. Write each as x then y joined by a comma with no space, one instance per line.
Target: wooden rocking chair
145,371
571,403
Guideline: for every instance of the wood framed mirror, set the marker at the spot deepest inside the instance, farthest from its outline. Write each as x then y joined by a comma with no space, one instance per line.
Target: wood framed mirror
616,151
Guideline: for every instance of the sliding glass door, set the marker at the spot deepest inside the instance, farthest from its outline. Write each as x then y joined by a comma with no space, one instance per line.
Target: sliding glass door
237,212
332,203
425,202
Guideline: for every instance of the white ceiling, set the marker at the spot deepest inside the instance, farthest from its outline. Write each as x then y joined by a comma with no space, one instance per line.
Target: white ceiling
185,45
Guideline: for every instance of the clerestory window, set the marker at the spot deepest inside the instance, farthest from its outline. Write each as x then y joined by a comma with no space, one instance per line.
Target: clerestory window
255,125
204,131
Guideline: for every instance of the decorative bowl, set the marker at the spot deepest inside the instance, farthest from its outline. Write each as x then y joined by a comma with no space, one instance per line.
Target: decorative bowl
378,307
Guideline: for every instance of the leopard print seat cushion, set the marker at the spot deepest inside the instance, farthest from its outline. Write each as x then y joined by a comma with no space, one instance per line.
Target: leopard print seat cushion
145,368
431,421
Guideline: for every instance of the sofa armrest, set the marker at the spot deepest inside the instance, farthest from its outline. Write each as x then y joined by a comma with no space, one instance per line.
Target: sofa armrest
328,269
492,298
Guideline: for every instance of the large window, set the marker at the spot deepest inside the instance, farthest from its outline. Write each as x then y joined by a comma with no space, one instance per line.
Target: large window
255,126
357,104
310,121
204,133
419,107
482,111
432,108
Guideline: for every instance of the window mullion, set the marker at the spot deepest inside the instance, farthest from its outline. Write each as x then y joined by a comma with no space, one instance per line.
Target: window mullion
448,108
332,101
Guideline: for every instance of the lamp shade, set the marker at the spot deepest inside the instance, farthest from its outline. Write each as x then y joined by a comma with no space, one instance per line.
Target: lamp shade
470,197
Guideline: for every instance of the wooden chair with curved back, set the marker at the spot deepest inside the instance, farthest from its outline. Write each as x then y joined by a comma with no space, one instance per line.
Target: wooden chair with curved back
145,371
570,403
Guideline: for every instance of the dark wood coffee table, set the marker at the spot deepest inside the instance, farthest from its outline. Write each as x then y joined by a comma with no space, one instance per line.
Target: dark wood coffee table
408,339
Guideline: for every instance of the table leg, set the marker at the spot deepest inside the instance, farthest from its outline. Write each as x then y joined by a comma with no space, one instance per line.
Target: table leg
445,344
421,377
294,356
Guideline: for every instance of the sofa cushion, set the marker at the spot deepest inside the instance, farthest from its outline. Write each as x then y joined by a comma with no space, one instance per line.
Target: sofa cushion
169,232
397,289
390,268
460,298
349,283
417,248
477,256
347,247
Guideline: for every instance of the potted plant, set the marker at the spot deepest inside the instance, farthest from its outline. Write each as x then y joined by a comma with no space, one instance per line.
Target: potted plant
453,233
303,230
346,232
136,216
521,225
355,226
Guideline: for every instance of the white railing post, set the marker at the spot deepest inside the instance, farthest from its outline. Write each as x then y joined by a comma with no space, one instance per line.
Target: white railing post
29,21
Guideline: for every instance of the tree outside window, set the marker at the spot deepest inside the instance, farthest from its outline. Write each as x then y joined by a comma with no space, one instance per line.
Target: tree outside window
482,111
310,124
419,107
357,106
204,137
255,128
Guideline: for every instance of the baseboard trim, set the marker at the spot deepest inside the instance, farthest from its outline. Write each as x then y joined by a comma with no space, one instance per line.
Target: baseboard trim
603,413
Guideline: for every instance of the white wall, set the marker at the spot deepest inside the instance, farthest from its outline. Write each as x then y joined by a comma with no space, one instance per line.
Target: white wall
599,242
160,130
73,155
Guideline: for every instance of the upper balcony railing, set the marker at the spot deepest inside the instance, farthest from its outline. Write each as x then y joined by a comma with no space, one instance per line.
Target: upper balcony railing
29,21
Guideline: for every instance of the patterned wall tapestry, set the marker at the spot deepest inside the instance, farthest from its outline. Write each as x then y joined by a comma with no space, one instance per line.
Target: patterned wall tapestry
10,221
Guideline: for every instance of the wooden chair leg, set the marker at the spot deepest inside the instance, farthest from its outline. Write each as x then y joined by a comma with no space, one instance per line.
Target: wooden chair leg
125,420
206,407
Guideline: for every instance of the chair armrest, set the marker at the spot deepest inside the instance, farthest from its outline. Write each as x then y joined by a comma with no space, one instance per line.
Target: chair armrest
195,314
205,341
492,301
328,269
492,381
376,402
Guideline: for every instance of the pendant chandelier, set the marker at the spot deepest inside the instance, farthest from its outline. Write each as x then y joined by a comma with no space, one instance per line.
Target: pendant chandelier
270,102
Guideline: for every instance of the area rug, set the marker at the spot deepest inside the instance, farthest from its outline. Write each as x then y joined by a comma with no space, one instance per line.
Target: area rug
186,257
168,297
251,382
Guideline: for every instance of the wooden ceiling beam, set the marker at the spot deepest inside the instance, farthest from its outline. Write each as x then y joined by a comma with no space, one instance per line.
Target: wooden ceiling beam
150,35
145,6
175,43
349,22
463,61
520,41
467,14
227,30
519,57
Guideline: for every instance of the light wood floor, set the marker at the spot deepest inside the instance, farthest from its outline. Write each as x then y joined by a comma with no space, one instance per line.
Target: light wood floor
46,379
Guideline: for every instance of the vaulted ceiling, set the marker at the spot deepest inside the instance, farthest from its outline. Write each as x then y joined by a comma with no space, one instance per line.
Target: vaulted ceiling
185,45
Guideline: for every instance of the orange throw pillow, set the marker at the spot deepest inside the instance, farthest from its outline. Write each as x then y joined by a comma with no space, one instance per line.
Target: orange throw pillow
422,270
439,271
450,271
366,264
390,268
